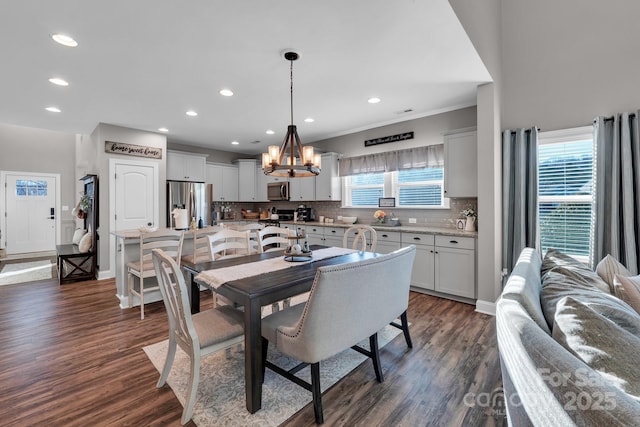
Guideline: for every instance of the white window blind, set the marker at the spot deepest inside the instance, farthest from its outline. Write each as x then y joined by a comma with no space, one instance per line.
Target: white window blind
565,190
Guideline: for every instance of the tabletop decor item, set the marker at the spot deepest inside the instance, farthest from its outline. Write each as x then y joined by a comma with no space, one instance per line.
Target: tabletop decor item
470,213
379,215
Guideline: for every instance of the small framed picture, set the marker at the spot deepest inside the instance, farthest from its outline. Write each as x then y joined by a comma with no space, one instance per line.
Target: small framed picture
387,202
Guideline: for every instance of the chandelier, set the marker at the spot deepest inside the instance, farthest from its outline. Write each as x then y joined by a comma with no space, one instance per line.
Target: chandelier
291,159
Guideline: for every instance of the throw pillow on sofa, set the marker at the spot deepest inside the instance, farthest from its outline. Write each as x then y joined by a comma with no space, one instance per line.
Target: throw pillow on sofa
628,290
559,283
85,243
605,335
557,261
77,235
608,267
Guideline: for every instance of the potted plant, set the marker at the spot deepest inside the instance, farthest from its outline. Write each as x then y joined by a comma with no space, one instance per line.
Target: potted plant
471,215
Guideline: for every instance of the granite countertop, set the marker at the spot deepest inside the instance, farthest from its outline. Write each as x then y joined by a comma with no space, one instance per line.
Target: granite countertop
413,228
135,233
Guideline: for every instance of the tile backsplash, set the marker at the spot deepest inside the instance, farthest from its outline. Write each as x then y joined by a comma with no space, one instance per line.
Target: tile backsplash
424,217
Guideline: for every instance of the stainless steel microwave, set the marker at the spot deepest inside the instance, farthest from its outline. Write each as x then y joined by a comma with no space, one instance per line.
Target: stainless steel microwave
278,191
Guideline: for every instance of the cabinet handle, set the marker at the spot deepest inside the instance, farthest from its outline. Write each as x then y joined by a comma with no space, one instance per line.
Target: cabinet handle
333,231
417,238
453,241
385,235
431,251
436,252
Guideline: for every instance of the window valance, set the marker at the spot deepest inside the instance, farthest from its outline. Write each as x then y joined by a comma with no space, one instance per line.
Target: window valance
430,156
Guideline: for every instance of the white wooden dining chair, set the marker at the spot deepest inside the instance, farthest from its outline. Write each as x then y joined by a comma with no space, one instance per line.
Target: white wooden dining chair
363,237
273,238
197,335
228,243
166,239
253,228
201,251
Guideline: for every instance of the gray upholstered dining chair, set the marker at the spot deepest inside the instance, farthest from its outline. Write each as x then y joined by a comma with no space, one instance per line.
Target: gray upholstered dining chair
365,239
347,304
197,335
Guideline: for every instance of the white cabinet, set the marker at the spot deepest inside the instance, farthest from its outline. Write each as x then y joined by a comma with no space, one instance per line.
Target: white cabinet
444,264
225,182
461,165
328,183
388,241
261,185
333,236
185,167
315,235
455,266
302,189
246,180
423,273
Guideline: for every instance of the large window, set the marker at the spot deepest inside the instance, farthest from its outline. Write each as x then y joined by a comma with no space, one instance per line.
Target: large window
421,188
566,191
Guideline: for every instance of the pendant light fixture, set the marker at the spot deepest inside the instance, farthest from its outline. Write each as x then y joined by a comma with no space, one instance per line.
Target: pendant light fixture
291,159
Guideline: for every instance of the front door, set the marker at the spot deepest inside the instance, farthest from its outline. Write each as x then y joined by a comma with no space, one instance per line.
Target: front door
30,220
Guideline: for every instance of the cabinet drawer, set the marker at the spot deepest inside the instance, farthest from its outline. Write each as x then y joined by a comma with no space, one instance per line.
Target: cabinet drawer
388,236
334,231
417,239
315,230
455,242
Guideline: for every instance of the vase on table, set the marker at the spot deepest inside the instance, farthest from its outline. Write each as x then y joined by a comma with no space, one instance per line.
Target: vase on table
470,224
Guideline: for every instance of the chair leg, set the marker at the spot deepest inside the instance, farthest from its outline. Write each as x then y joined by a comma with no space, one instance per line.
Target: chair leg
317,395
130,288
265,349
375,357
192,388
405,329
171,354
141,296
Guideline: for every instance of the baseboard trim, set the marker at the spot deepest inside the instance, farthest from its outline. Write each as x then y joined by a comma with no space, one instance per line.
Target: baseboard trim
105,274
486,307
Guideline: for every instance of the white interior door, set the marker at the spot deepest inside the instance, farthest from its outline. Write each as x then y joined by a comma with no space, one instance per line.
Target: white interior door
30,202
136,195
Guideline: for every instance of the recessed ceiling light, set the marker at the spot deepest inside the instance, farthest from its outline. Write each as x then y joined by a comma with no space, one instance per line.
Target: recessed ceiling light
226,92
191,113
58,81
53,109
309,120
269,132
64,40
235,143
373,100
163,129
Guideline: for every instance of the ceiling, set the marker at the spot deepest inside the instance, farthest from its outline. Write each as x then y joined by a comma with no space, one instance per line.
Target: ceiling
142,64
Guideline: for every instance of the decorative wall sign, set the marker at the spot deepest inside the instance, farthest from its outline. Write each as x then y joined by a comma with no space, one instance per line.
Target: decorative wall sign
132,150
386,139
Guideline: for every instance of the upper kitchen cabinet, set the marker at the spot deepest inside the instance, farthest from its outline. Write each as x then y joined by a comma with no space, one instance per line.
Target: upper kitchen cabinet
461,165
247,180
186,166
225,182
302,189
328,184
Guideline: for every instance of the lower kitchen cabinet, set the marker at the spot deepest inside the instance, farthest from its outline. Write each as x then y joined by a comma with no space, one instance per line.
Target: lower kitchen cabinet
444,264
388,241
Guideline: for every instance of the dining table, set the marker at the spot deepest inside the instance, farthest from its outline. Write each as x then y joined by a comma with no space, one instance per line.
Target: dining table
262,289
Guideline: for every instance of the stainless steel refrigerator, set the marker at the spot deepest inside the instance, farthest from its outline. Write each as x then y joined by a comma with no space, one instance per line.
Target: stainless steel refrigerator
195,197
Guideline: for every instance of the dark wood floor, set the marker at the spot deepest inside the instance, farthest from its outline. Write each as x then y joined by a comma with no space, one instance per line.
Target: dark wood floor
70,357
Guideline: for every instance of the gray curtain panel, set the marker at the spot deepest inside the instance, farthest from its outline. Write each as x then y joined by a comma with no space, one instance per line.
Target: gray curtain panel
519,194
617,218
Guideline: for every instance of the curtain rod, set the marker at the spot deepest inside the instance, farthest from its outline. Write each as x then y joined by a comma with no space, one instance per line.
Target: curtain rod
606,119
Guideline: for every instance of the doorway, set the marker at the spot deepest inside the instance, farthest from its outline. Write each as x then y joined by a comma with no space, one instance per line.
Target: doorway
31,223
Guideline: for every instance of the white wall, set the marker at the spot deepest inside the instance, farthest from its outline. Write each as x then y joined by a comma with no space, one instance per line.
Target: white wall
427,131
100,135
24,149
565,62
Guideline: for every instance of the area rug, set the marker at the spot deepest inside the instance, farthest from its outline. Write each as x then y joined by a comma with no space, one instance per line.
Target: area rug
31,271
221,399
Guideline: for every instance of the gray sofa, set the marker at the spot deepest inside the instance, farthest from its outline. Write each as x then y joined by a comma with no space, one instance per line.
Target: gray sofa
567,346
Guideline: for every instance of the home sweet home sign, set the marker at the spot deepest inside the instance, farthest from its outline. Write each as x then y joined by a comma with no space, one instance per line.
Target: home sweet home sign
132,150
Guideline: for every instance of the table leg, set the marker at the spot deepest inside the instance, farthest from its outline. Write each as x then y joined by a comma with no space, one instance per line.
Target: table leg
195,296
253,356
